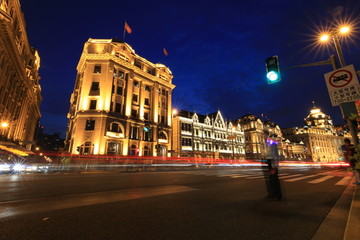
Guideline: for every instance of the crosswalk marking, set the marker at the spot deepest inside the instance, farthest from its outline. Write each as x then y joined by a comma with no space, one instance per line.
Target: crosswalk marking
344,181
294,175
286,177
238,176
300,178
319,180
256,177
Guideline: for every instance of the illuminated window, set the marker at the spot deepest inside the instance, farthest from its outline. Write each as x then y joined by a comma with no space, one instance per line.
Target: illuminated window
90,125
97,69
92,104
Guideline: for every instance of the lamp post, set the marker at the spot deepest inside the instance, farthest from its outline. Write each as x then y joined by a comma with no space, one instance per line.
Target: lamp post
335,35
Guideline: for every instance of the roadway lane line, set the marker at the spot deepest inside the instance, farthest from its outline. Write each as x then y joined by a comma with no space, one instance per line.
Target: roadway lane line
300,178
319,180
8,209
344,181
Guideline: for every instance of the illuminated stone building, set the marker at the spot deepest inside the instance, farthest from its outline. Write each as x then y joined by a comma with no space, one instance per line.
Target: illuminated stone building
256,133
121,103
322,142
20,94
210,136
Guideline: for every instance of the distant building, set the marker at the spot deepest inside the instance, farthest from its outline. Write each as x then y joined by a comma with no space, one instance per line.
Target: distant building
210,136
256,134
320,139
20,94
121,103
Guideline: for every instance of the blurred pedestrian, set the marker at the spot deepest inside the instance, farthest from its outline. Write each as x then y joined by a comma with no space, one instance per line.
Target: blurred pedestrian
351,158
270,169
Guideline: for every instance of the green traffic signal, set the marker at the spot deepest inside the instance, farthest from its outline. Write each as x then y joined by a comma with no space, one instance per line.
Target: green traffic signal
273,70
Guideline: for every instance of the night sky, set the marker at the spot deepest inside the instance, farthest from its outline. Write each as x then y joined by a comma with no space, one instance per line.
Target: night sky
216,51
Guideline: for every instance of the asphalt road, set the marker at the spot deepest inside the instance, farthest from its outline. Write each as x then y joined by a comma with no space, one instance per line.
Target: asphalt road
192,204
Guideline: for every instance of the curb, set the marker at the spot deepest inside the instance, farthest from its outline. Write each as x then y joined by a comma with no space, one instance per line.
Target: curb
352,231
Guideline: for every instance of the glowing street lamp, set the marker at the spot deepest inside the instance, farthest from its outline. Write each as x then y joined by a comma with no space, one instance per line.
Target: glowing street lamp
4,124
343,30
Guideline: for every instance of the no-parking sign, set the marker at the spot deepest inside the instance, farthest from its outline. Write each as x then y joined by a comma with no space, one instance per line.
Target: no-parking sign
343,85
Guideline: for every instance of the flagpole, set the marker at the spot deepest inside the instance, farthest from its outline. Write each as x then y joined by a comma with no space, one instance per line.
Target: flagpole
124,32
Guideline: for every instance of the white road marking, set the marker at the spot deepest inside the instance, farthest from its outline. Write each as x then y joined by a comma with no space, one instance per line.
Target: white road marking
300,178
37,205
319,180
344,181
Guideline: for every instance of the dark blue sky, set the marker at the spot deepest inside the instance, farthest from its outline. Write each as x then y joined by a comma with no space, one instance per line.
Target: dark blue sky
216,51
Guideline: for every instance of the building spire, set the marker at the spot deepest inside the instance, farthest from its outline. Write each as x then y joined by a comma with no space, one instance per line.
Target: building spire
314,104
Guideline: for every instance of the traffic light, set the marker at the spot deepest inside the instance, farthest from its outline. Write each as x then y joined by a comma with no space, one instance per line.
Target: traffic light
272,69
147,127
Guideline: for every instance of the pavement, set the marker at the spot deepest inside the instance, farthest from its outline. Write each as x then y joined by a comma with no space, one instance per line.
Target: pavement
342,223
352,230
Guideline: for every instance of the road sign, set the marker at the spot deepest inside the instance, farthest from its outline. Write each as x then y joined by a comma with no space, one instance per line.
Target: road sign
343,85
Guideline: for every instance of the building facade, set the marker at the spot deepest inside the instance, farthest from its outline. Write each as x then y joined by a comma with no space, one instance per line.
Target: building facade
257,132
121,103
321,140
20,94
210,136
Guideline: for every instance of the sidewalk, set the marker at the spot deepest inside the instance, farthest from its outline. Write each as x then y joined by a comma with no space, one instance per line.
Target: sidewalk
352,231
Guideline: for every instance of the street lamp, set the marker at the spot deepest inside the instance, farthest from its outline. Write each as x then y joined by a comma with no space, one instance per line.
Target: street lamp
335,34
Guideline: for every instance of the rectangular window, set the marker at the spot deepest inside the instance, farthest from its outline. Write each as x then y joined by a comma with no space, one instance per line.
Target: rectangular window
118,107
134,133
136,84
90,125
138,64
147,102
135,98
92,104
94,87
146,115
119,90
162,119
147,88
97,69
121,74
134,113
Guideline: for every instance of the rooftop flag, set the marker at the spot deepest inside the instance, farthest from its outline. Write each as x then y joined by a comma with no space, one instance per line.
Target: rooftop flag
165,52
128,28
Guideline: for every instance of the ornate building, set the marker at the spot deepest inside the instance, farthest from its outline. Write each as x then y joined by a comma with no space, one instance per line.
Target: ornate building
256,133
20,94
321,141
210,136
121,104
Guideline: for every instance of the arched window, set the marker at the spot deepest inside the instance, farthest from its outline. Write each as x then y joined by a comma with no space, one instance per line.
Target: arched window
162,135
115,127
